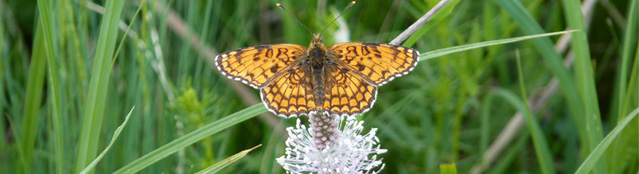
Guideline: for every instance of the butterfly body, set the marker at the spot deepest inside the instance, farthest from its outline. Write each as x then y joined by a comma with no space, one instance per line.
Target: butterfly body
315,61
320,61
338,80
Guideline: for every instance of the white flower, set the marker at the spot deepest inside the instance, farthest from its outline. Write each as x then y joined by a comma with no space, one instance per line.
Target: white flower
350,152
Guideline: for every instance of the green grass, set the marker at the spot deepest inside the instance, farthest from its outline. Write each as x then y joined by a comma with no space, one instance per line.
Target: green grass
70,74
98,85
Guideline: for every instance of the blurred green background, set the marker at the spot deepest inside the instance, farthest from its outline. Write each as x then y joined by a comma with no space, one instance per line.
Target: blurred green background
64,91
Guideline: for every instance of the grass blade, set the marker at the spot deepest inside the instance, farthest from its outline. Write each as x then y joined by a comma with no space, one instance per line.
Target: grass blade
226,162
585,77
541,145
598,151
624,93
539,141
115,136
629,41
56,120
450,50
192,137
96,98
33,98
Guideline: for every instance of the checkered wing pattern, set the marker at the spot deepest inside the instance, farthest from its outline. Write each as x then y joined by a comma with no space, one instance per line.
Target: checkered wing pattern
380,63
290,94
255,66
347,93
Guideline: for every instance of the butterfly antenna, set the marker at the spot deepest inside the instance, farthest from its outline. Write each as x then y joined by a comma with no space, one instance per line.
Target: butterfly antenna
282,7
349,6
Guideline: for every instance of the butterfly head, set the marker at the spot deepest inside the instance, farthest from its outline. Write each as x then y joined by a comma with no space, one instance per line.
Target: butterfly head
317,49
317,41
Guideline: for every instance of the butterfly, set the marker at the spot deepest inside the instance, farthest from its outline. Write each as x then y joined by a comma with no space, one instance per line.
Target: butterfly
341,79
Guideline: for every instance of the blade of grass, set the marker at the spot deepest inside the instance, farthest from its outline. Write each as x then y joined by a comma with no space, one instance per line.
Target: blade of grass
226,162
115,136
128,28
98,85
33,98
624,87
191,138
599,150
450,50
3,82
541,145
626,58
585,77
539,141
56,120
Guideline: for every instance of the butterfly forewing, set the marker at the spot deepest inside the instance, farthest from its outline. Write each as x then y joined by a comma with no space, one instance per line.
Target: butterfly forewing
256,65
378,62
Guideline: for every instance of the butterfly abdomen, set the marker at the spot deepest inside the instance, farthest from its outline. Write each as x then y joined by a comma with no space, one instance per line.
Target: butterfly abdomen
318,85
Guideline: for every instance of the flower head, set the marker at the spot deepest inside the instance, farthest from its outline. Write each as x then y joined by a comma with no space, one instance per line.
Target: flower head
350,152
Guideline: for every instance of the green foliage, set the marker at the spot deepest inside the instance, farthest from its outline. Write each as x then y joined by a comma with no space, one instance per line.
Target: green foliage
70,71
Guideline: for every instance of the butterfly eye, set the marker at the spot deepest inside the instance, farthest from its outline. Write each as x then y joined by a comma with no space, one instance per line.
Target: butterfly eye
312,41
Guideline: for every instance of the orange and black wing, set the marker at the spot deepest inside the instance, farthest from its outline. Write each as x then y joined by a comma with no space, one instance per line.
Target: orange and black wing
380,63
290,95
347,93
254,66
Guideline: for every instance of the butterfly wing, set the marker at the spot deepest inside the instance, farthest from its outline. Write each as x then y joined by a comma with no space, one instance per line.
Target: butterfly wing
290,95
254,66
346,92
380,63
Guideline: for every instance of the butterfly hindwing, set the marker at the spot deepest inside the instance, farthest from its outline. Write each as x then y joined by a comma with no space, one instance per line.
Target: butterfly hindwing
347,93
290,94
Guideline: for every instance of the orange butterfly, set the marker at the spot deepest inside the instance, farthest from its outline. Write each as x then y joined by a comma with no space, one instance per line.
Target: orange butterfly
338,80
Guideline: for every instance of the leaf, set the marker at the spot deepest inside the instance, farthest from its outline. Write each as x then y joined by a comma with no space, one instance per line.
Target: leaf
599,150
228,161
450,50
115,136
